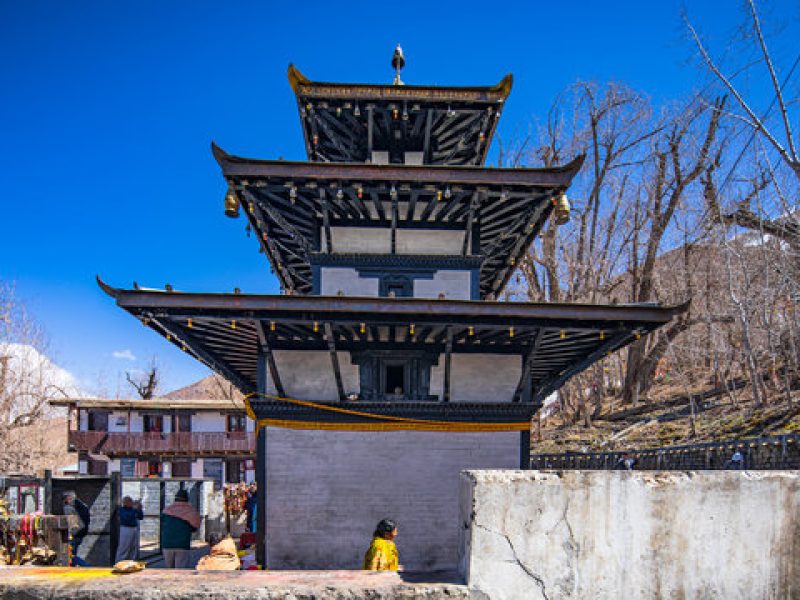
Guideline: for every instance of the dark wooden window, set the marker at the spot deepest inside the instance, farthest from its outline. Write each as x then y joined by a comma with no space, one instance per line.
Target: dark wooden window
396,286
153,468
182,468
394,375
212,469
182,423
153,423
234,470
395,378
97,421
236,423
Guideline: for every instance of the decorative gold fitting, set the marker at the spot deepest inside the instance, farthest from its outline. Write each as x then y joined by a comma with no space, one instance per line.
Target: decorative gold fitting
363,328
562,209
231,203
272,325
189,323
233,324
471,330
511,332
316,327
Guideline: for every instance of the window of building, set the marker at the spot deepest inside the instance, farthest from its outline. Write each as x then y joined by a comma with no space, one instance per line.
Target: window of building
127,467
97,421
182,469
153,423
212,469
234,470
153,468
236,423
181,423
396,286
390,375
394,379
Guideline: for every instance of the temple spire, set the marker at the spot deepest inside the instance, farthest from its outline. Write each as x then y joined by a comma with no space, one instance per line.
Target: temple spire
398,62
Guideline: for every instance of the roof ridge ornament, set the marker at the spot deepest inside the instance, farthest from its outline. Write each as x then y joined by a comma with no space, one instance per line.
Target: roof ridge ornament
398,62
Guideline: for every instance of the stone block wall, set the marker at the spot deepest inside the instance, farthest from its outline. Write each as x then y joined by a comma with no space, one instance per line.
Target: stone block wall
619,534
326,491
97,493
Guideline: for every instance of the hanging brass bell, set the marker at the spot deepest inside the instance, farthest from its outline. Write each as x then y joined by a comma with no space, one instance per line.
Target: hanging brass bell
562,209
231,204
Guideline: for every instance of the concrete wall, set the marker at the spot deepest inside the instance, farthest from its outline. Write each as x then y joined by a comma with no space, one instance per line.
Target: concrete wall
615,534
328,489
309,375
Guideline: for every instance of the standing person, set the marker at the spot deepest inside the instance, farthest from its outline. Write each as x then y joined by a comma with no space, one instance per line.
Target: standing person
382,552
250,507
178,521
130,513
75,506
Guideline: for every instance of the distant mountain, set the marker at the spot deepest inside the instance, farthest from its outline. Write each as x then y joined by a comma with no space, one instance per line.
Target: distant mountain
213,387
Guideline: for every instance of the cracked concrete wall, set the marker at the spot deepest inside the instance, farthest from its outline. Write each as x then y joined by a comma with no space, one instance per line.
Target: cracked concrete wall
619,534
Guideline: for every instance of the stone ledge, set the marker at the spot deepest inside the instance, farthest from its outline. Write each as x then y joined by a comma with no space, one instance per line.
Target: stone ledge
57,583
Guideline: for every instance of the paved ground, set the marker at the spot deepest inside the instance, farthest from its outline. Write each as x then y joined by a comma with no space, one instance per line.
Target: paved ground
199,549
62,583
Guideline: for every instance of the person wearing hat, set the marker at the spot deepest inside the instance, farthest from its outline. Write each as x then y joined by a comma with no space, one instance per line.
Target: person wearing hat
74,506
178,521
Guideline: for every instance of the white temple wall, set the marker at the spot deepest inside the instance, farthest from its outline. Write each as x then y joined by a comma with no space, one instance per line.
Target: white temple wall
347,280
429,241
455,285
328,490
478,377
309,375
373,240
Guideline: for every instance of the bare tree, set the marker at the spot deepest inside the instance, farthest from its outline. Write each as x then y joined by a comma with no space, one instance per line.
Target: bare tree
146,384
28,381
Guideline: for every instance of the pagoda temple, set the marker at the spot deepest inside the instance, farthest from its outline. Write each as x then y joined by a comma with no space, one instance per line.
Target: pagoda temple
387,365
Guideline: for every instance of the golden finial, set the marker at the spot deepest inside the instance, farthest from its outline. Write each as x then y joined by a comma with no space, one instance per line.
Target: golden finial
398,62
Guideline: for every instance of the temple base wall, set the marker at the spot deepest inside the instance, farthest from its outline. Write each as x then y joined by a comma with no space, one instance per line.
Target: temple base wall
615,534
326,491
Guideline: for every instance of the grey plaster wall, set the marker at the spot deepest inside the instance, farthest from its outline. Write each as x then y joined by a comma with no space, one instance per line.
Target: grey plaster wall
455,285
326,491
479,377
347,280
309,375
629,534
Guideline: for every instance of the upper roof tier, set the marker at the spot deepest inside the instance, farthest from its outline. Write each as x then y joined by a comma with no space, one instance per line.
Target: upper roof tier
398,124
288,204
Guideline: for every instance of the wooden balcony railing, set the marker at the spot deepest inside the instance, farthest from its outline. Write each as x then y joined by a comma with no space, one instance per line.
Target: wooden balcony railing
101,442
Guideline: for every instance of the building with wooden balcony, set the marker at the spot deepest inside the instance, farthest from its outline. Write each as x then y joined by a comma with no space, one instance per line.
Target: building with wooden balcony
164,437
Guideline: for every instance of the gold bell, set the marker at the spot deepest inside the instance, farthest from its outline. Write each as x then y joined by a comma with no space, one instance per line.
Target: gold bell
562,209
231,204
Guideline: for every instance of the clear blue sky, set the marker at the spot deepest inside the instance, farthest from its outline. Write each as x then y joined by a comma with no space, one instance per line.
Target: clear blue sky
108,109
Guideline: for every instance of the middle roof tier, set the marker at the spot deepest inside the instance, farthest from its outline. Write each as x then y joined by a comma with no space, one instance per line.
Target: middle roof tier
308,213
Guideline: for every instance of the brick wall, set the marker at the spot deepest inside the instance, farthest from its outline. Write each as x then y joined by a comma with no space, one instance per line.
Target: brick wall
326,491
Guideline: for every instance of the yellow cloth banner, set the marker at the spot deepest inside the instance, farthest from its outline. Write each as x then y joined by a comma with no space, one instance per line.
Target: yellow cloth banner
384,422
